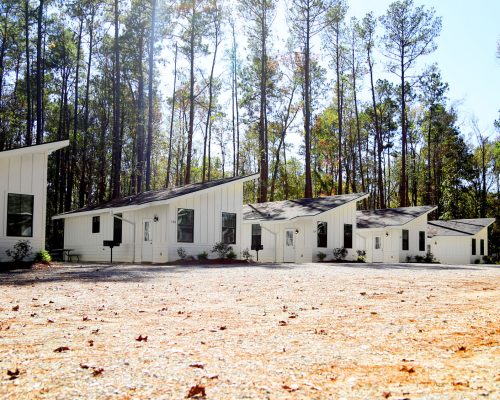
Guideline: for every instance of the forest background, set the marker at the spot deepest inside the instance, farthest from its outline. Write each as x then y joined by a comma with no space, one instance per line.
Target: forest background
160,93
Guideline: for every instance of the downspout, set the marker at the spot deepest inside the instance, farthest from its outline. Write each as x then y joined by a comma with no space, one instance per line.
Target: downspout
130,222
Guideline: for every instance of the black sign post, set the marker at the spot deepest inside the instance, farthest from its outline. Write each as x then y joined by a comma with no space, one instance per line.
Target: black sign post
257,247
110,244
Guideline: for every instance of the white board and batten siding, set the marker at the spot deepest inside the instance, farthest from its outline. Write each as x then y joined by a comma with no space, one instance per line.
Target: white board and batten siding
24,171
391,238
208,206
458,249
305,236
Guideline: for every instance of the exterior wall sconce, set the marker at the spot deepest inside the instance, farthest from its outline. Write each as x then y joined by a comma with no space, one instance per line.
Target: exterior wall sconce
296,231
387,234
155,218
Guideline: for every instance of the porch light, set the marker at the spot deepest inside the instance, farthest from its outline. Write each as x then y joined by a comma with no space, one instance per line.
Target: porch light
387,234
155,218
296,231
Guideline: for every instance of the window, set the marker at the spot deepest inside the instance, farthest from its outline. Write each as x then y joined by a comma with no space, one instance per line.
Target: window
185,225
20,215
256,236
117,228
348,236
481,247
322,234
228,228
421,241
406,241
473,247
378,243
96,224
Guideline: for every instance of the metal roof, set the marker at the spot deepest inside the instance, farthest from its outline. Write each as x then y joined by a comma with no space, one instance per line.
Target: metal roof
290,209
458,227
155,196
47,147
390,216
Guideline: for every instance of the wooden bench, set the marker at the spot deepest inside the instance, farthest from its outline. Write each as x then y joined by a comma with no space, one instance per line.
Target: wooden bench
72,256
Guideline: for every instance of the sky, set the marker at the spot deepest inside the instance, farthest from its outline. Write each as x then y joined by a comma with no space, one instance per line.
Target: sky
466,55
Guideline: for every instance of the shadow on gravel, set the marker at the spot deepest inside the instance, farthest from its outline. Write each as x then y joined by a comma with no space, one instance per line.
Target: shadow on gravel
409,266
113,273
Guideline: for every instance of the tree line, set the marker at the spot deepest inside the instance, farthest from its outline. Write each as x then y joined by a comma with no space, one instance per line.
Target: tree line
318,102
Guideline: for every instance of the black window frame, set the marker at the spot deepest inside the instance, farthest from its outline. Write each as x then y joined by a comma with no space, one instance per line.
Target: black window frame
347,236
18,222
405,242
184,228
322,234
421,240
474,247
117,228
481,247
256,237
96,224
228,231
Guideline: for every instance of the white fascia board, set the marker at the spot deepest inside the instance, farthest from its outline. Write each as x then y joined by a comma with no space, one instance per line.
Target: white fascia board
45,148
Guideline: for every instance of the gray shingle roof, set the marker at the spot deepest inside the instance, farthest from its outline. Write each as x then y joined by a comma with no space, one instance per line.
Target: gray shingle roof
290,209
390,216
157,195
458,227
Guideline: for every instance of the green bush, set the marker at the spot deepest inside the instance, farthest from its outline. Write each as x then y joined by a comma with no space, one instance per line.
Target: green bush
321,256
203,256
419,258
181,252
429,257
19,251
361,256
246,255
43,256
339,253
408,258
222,249
231,255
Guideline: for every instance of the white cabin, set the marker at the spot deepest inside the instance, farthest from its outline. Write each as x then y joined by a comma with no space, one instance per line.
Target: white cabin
23,195
459,241
297,231
152,226
393,235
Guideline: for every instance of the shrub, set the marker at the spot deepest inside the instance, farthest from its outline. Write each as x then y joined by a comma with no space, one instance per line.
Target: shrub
419,259
221,249
246,255
19,251
203,256
181,252
477,261
408,258
361,255
488,259
429,257
231,255
321,256
43,256
339,253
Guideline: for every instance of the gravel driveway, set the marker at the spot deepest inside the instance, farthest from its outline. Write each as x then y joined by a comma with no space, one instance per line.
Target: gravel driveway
314,331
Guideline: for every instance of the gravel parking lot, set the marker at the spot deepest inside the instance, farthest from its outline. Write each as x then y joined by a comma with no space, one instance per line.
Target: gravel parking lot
316,331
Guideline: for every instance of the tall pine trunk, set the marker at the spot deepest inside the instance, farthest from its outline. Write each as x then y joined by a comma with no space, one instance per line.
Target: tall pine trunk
149,145
117,145
169,160
39,71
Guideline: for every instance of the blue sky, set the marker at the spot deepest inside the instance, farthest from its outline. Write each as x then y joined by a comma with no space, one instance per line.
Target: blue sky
466,54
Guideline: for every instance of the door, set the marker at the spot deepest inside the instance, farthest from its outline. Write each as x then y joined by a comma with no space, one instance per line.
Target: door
289,249
147,241
378,249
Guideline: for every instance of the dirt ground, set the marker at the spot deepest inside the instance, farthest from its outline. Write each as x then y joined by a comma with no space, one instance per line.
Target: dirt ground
251,332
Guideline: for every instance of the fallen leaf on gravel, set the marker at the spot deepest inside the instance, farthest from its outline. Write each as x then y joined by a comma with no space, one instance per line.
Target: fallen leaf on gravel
15,308
223,328
462,348
141,338
197,390
84,366
386,395
293,315
282,323
85,318
466,384
95,331
13,374
90,342
292,388
213,377
50,321
197,365
97,371
405,368
61,349
363,293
